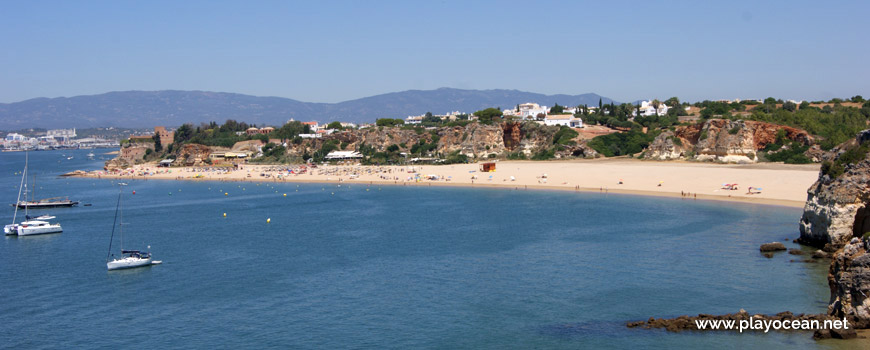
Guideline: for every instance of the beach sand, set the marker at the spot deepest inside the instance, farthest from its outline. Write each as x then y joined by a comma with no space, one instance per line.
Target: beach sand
780,184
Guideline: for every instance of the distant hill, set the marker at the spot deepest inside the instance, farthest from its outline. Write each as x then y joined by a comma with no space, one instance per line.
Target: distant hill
173,108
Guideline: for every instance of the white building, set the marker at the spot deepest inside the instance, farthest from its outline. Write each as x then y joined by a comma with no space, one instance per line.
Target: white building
647,109
417,119
563,119
531,110
61,133
15,137
343,155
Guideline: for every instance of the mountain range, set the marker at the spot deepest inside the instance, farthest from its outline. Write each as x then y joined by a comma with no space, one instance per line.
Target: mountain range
173,107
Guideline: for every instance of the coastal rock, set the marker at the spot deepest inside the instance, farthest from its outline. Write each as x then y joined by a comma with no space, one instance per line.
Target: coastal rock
474,140
667,146
849,279
836,217
796,252
837,208
722,140
193,154
772,247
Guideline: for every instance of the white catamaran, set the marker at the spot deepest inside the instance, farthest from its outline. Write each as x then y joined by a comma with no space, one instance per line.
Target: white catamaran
32,226
129,258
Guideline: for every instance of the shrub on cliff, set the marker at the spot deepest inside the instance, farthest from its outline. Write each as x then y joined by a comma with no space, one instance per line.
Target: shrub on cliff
619,144
851,155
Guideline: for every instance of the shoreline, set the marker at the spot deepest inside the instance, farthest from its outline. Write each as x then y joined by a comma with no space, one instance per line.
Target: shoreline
790,183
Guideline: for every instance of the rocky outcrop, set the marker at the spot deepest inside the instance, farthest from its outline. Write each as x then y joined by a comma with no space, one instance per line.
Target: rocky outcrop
731,141
668,146
849,279
772,247
192,154
473,140
837,208
837,216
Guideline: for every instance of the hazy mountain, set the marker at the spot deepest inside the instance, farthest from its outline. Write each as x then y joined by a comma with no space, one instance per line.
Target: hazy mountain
172,108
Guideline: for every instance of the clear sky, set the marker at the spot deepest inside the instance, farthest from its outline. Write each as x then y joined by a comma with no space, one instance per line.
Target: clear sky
331,51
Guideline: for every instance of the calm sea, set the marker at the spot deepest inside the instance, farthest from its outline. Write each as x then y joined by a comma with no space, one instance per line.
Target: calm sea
388,267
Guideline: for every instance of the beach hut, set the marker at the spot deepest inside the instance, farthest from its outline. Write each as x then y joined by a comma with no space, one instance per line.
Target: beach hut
487,167
165,163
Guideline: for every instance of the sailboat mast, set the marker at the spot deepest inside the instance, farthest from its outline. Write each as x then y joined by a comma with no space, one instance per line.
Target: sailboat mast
20,186
115,221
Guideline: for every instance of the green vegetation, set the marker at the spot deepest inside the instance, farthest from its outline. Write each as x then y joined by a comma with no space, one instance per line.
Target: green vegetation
487,116
834,124
556,109
852,155
565,136
389,122
272,153
620,144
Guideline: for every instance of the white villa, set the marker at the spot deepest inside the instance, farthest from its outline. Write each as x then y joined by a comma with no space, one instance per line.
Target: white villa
563,119
531,110
647,109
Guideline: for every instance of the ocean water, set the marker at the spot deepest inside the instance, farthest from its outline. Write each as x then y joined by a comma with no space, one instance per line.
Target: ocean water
362,266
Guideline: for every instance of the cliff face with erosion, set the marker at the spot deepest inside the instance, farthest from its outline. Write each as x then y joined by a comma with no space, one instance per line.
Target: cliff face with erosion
837,206
849,279
732,141
836,216
473,140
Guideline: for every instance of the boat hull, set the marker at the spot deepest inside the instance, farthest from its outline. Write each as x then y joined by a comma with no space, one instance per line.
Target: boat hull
38,205
128,263
39,230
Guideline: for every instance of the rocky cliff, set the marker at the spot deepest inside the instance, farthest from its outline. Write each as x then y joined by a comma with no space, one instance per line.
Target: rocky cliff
837,204
733,141
849,279
474,140
837,216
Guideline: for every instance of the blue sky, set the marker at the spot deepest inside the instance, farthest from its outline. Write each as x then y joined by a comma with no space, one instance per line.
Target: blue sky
331,51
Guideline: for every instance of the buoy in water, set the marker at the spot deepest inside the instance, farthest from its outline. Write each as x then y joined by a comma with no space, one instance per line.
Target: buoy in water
285,195
134,192
226,194
268,220
225,214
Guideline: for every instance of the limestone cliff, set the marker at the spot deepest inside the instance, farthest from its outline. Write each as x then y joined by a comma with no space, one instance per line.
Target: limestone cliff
836,216
474,140
732,141
849,279
837,207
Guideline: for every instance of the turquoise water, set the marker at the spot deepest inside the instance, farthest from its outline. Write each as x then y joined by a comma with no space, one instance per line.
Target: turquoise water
391,267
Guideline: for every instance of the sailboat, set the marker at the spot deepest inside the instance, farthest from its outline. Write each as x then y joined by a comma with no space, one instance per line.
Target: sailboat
129,258
32,226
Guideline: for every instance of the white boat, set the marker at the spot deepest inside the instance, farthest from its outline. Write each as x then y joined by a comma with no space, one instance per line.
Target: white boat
134,258
37,226
129,258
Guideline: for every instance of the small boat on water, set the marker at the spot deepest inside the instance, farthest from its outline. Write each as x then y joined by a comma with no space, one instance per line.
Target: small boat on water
47,203
129,258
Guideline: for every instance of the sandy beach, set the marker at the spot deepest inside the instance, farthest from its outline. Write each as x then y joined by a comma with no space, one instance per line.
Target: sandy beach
775,184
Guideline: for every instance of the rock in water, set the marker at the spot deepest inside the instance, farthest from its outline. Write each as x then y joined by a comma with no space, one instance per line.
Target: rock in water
772,247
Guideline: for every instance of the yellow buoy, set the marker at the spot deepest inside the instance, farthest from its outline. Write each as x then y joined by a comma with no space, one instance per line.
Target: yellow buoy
367,189
268,220
285,195
226,194
225,214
